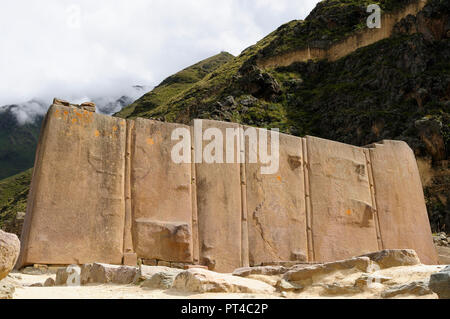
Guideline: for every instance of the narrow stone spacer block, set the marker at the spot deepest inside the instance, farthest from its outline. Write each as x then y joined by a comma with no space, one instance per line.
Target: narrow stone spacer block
150,262
130,259
187,267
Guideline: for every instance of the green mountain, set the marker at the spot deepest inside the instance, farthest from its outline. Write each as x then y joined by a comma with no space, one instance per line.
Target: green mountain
174,85
396,88
13,200
18,141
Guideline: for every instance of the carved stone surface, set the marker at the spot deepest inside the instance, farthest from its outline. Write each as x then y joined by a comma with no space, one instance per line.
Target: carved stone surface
402,211
343,223
76,205
276,206
161,194
219,209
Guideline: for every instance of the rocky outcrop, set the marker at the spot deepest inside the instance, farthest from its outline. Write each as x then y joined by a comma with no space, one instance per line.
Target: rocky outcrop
204,281
442,243
330,49
9,252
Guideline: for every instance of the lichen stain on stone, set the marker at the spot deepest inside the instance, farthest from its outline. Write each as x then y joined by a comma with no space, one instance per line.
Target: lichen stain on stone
349,212
150,141
97,133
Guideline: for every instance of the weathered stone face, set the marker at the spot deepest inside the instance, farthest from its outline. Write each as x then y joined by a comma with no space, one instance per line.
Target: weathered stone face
343,222
76,206
276,206
404,222
161,194
219,209
106,190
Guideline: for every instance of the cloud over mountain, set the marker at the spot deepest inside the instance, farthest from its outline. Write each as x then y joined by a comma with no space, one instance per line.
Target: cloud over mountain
75,49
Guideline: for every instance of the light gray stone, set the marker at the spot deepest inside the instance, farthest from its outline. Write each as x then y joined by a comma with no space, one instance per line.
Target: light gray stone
267,271
204,281
417,288
440,283
161,280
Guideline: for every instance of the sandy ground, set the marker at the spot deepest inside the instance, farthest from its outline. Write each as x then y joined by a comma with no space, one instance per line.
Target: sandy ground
399,275
109,291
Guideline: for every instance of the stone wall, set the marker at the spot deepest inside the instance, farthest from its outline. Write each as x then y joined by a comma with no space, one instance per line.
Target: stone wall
106,190
348,45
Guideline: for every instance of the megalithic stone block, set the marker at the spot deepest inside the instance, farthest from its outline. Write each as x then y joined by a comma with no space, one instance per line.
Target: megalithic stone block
276,203
161,194
402,211
343,223
219,205
75,211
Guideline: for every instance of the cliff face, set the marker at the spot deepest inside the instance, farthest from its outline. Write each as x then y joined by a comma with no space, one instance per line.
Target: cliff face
346,31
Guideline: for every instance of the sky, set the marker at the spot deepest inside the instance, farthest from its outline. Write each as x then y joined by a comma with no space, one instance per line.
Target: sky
79,50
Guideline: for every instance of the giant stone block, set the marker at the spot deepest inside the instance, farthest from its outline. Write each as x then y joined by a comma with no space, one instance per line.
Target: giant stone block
161,194
76,204
343,223
276,205
404,222
219,208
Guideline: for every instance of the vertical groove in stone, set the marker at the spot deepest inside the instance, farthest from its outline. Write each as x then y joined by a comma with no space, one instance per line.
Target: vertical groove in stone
127,237
195,241
245,258
309,215
367,152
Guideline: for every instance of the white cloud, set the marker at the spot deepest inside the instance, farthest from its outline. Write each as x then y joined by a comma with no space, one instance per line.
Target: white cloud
73,49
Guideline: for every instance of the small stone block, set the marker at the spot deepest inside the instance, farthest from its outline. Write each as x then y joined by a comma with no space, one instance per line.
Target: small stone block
187,267
130,259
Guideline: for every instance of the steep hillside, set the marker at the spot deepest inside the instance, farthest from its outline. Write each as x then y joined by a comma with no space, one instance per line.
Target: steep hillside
13,200
397,88
174,85
17,141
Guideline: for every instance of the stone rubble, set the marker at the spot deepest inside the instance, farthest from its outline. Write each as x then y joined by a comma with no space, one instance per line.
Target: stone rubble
384,274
